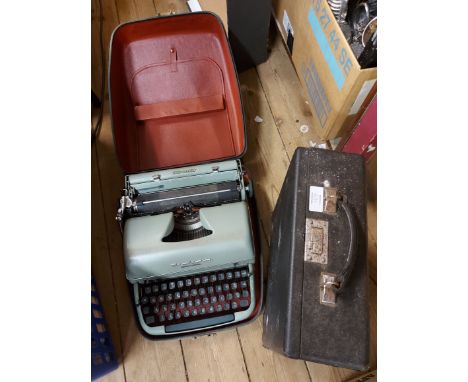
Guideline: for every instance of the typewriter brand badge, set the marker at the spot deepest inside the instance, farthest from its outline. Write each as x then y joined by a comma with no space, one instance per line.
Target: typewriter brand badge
316,241
191,263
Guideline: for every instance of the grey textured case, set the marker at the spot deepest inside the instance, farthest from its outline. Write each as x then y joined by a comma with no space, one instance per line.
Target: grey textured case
296,323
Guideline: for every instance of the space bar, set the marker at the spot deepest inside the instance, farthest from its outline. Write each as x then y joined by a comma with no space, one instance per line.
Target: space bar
199,323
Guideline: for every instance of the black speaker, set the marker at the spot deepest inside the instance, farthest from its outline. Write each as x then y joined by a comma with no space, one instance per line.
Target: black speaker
249,22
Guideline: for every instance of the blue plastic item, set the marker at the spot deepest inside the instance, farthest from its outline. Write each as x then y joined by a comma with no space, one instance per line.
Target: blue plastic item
103,359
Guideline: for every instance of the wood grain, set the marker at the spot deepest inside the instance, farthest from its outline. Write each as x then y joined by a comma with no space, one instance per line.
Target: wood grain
265,365
266,158
216,357
286,98
110,21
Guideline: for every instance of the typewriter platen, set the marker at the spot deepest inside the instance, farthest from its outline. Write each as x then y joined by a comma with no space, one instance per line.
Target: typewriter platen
189,248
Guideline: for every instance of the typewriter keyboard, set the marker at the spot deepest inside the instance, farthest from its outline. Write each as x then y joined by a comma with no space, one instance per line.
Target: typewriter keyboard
212,297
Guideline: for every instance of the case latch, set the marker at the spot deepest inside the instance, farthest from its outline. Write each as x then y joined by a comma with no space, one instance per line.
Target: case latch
328,287
331,196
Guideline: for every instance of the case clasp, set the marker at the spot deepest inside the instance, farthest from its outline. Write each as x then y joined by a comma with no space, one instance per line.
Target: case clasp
328,287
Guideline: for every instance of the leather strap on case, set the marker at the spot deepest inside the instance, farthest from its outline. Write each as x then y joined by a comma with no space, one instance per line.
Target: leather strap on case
179,107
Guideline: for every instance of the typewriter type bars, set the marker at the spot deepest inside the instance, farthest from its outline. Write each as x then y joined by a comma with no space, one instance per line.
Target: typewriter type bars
188,285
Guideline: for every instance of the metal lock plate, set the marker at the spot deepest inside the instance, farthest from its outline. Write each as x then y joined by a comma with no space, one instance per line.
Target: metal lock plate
316,241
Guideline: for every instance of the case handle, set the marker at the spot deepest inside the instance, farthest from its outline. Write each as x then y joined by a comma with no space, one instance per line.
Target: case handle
333,284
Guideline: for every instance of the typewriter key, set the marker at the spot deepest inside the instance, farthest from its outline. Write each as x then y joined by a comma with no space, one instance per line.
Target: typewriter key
202,310
204,279
185,294
163,287
244,303
193,292
150,320
172,306
153,300
186,313
188,282
161,298
221,297
169,297
220,276
146,310
229,296
213,299
234,286
144,300
243,284
211,309
177,315
162,318
213,278
202,291
170,316
197,302
176,295
245,293
225,287
148,290
194,312
244,273
234,305
229,275
180,284
237,295
172,285
181,305
227,306
189,303
155,288
219,308
206,300
196,281
237,274
210,289
218,288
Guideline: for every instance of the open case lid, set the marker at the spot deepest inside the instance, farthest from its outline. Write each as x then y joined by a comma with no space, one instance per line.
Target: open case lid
174,93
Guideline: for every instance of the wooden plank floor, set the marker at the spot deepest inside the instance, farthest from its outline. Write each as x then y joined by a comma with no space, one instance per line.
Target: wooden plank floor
272,92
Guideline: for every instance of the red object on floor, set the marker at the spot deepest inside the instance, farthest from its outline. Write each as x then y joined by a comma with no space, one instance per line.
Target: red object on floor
363,140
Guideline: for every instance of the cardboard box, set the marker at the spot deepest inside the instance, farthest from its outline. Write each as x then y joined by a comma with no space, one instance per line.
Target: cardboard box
337,87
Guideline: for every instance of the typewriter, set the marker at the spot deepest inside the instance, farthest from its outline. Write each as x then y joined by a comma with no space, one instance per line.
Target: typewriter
187,209
188,247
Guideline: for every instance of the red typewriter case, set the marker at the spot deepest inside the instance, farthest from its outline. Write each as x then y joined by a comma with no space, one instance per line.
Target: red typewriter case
187,210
